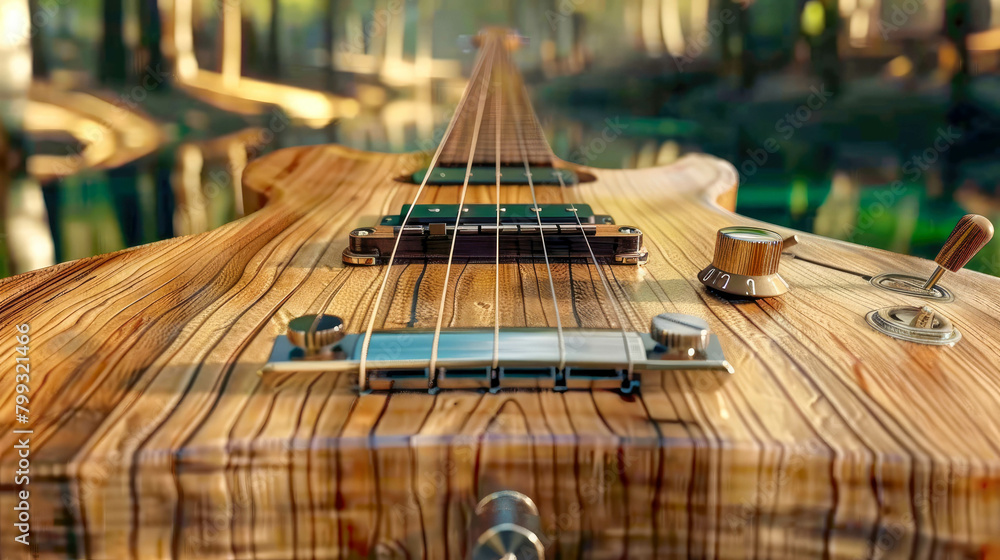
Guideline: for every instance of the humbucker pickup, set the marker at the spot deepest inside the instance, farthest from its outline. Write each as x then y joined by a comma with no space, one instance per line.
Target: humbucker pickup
570,232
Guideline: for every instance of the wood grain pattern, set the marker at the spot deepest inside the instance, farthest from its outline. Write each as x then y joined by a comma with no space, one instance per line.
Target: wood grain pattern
155,438
971,233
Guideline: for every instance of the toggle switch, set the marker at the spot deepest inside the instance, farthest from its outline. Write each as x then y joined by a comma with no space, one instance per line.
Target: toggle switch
746,262
970,235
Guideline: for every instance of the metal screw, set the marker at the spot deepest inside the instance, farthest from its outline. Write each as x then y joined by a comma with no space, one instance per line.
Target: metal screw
363,231
627,229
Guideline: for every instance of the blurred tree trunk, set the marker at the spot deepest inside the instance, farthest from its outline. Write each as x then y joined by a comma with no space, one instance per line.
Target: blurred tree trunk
113,55
274,44
39,54
962,113
827,55
329,20
151,29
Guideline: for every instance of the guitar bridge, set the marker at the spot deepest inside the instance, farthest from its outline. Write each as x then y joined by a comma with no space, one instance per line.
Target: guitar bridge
525,358
567,231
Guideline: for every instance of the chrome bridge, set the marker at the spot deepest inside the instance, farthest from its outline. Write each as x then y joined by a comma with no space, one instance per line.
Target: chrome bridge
533,358
570,232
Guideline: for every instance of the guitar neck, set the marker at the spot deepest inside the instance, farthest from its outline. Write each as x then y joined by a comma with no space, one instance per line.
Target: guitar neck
506,106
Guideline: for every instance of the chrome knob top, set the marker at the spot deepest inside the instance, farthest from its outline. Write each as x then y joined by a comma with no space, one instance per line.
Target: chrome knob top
313,333
680,334
746,262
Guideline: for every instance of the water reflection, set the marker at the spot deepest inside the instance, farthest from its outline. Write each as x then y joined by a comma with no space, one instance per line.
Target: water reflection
138,122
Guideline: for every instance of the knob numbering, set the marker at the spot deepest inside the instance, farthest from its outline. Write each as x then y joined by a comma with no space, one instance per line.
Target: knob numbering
746,263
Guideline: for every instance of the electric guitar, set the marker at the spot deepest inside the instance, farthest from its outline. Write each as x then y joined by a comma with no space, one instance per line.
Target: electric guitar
488,352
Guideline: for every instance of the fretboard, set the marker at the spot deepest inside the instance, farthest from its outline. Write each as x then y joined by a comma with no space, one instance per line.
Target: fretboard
506,106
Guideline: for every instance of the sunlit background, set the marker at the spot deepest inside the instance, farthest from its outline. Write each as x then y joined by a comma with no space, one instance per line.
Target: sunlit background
126,122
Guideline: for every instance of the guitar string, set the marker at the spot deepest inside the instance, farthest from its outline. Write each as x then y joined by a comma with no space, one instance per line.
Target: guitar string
600,272
498,92
541,232
484,90
362,370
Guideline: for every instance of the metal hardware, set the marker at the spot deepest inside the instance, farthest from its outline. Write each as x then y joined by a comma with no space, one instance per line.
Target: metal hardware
528,358
914,324
746,262
486,175
428,227
350,257
924,319
680,334
506,527
486,214
314,333
970,234
911,286
478,241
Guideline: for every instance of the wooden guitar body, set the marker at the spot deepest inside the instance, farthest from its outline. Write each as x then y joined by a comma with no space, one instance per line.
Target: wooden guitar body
155,437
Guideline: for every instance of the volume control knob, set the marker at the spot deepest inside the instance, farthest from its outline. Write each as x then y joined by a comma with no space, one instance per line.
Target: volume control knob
746,263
